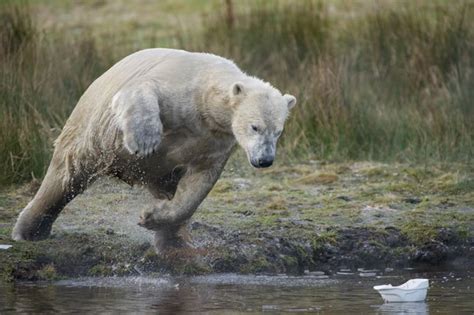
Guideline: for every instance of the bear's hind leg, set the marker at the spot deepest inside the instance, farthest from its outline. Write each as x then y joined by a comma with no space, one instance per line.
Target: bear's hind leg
36,219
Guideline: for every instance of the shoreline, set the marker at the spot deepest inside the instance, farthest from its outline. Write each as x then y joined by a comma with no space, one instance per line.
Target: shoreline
293,219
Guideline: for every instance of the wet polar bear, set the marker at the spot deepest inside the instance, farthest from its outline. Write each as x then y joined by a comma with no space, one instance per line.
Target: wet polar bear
166,119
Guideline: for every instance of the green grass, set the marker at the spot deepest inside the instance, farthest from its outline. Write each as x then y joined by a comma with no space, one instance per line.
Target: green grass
238,226
375,81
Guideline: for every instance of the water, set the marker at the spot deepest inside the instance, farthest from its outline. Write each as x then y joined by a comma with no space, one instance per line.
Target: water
450,293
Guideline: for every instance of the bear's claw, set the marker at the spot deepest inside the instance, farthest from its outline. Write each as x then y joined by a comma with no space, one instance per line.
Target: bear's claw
142,143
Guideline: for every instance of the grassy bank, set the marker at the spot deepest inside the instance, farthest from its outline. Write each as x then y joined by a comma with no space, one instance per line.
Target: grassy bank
378,81
293,218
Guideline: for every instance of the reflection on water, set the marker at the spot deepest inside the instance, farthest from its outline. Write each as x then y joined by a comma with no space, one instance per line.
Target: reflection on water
404,308
217,294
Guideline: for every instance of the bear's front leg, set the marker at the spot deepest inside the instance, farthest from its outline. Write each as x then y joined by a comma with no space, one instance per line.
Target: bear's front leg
173,236
168,217
137,114
170,231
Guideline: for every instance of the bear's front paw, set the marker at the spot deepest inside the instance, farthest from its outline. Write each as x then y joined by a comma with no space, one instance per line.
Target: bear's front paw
142,143
146,221
138,117
152,221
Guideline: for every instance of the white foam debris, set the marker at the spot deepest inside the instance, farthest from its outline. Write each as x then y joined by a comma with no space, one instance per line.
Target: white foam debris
413,290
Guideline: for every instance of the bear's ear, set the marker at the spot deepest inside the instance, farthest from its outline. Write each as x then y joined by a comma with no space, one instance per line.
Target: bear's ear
237,88
290,100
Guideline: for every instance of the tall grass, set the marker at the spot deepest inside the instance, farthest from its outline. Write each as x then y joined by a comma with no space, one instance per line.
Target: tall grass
393,83
40,82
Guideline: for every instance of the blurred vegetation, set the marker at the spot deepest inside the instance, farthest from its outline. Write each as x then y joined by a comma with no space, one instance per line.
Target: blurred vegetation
389,81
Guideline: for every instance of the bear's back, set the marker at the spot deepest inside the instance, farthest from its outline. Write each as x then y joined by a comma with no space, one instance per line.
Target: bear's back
171,66
175,70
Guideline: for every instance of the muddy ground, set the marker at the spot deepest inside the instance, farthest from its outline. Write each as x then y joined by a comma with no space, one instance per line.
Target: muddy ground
287,219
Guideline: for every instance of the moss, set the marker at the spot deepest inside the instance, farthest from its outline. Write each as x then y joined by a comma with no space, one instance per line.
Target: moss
300,169
419,233
256,265
290,263
267,221
4,231
275,187
320,240
222,186
100,270
403,187
150,255
376,171
462,186
305,257
3,201
7,273
420,175
464,233
317,178
277,203
194,268
48,272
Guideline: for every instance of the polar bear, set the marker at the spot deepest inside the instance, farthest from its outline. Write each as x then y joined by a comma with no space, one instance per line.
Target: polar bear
166,119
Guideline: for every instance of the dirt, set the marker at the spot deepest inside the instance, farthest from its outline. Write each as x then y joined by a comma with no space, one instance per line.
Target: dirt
287,219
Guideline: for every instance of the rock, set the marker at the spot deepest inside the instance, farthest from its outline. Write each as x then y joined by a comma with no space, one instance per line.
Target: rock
367,270
109,231
344,198
270,308
367,274
447,236
242,183
433,253
412,200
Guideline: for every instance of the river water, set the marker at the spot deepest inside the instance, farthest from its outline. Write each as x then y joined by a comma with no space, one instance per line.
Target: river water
449,293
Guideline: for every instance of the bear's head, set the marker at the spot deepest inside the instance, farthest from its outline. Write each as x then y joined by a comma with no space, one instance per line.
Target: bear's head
259,116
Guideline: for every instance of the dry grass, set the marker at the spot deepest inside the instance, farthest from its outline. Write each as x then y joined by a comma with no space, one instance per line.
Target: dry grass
317,178
378,82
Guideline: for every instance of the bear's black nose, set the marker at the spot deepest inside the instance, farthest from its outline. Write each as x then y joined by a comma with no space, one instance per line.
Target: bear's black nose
265,162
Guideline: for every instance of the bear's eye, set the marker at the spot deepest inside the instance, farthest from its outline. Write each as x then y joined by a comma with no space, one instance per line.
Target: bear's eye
254,128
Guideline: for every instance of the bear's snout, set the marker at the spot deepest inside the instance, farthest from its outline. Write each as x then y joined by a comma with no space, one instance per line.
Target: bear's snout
263,162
